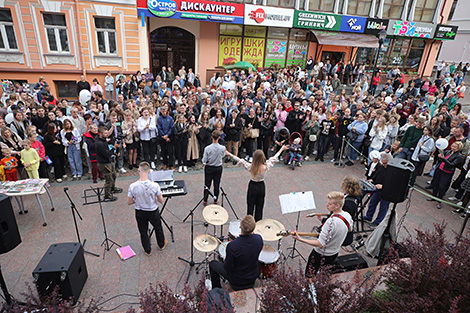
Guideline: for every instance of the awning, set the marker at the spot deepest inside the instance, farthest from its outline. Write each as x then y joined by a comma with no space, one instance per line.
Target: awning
346,39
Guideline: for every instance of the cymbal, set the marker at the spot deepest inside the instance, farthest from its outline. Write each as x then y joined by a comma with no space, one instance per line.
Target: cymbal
268,229
205,243
215,214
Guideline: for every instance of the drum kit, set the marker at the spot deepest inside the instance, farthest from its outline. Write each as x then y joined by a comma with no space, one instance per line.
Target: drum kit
269,229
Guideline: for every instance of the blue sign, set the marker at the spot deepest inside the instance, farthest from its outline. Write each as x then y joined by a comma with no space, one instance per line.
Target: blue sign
353,24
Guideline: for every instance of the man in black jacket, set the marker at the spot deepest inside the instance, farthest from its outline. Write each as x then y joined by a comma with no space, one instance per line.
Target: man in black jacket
240,266
295,118
115,136
106,164
82,84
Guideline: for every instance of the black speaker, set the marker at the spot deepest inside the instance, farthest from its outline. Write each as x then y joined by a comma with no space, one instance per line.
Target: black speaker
9,234
397,180
63,265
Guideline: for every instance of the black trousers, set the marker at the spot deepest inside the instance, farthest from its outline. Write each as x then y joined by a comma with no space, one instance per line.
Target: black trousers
167,152
255,199
216,270
315,260
109,173
58,162
181,148
146,148
43,170
212,174
143,219
323,145
441,183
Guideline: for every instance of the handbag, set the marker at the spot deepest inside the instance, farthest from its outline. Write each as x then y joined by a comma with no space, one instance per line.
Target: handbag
461,95
352,136
254,133
423,157
312,138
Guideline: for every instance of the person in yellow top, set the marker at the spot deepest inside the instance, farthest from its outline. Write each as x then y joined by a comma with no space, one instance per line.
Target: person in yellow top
30,159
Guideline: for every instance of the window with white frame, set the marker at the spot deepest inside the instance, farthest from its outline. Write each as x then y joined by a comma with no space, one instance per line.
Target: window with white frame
106,35
56,32
7,31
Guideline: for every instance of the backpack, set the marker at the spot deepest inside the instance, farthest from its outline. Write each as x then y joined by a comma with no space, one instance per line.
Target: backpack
218,300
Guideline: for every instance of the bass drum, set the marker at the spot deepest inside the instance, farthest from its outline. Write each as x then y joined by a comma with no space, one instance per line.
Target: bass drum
268,260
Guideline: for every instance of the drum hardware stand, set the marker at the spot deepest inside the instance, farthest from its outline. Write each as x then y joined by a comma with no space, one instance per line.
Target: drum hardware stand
224,196
106,240
170,228
340,162
467,216
294,251
75,211
192,210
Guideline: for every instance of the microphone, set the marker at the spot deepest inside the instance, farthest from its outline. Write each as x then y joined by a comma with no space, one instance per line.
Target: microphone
317,214
210,192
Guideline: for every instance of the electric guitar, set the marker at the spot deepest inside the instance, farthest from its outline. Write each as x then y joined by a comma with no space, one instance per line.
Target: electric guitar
286,233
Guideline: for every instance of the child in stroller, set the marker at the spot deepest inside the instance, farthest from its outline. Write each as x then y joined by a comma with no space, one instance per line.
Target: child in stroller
295,149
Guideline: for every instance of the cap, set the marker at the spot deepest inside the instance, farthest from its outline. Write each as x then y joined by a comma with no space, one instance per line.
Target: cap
422,99
375,154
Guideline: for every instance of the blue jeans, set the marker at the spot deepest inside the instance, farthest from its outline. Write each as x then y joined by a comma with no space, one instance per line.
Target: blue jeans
374,201
405,154
352,152
110,94
295,155
73,155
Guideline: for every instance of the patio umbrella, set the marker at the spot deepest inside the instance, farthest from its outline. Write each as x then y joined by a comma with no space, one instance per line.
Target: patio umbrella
241,65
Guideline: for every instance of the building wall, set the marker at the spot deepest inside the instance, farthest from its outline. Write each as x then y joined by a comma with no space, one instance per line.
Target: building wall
209,49
459,49
34,59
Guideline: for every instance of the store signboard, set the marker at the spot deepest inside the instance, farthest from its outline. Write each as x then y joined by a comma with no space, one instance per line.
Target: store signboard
445,32
375,25
209,11
276,51
353,24
410,29
268,16
230,50
316,20
253,51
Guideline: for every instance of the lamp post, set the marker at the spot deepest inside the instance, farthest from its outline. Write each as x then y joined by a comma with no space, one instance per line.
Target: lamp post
381,35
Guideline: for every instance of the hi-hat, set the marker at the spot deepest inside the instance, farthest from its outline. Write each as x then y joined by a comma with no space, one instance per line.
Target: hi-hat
205,243
215,214
268,228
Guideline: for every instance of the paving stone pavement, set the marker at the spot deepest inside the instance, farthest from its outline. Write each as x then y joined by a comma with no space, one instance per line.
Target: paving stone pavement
110,276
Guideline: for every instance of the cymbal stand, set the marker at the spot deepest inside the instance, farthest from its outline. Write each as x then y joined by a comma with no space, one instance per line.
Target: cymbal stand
294,251
106,240
193,209
224,196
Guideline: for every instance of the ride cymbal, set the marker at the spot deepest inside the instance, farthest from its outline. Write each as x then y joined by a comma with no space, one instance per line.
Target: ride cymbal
205,243
268,229
215,214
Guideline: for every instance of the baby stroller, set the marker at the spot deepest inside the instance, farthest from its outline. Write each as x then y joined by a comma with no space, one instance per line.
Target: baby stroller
295,161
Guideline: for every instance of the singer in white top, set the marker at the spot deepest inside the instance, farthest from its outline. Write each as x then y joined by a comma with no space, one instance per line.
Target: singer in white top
147,128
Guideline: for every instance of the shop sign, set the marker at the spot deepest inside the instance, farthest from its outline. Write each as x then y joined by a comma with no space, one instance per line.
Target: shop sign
353,24
297,54
276,51
230,50
445,32
316,20
210,11
253,51
375,25
410,29
268,16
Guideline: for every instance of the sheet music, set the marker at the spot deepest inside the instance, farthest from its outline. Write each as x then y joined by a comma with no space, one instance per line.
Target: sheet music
297,201
160,176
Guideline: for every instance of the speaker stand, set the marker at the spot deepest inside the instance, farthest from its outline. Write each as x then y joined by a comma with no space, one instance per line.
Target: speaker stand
8,302
386,236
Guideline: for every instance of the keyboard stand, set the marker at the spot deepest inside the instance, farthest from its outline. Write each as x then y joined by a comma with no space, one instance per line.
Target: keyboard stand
170,228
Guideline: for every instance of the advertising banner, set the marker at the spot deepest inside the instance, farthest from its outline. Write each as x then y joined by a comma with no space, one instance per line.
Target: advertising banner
445,32
353,24
276,51
255,31
268,16
297,53
209,11
253,51
316,20
375,25
410,29
230,50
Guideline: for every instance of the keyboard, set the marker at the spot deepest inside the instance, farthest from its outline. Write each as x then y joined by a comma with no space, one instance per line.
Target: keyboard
367,186
177,189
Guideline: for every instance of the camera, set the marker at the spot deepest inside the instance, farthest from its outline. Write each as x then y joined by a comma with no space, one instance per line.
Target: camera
120,138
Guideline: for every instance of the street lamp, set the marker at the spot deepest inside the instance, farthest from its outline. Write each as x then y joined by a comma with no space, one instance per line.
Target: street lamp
381,36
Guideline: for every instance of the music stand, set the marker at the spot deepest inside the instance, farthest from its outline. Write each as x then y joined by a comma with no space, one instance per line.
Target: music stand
296,202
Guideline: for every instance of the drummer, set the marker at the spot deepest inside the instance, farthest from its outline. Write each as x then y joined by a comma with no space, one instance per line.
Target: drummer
241,263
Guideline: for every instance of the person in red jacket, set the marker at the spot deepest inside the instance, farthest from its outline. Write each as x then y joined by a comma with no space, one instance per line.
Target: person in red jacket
38,146
9,164
375,83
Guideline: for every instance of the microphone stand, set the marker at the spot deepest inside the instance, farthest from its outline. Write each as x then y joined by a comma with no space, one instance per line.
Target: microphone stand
224,196
194,209
74,210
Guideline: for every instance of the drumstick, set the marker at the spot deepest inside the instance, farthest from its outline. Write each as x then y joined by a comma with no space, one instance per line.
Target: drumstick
223,244
317,214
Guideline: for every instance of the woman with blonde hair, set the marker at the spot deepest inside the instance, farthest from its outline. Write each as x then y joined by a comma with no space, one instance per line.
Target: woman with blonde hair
129,129
377,134
256,188
71,139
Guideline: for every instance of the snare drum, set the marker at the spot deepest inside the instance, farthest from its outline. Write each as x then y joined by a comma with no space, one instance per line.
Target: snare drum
222,252
234,230
268,259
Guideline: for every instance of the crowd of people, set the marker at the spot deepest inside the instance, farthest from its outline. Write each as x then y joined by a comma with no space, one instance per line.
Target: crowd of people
167,120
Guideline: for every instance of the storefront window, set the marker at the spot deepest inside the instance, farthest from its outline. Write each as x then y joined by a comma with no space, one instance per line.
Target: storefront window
321,5
399,52
359,7
391,8
424,10
414,58
364,55
281,3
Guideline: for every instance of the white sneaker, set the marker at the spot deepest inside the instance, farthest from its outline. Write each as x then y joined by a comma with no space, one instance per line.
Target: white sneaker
452,198
180,169
64,176
185,168
428,182
251,159
122,170
247,157
307,158
460,203
315,152
58,180
152,164
332,160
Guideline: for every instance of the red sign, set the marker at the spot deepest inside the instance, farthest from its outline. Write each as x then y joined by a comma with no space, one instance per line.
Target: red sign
257,15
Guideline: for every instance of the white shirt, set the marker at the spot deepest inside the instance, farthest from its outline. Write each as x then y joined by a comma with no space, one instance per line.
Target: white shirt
333,233
149,133
145,195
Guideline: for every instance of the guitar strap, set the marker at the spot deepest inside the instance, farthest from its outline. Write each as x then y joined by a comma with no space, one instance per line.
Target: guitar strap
344,220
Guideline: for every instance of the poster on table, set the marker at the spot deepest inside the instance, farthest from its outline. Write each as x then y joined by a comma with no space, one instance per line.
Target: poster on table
230,50
253,51
297,53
